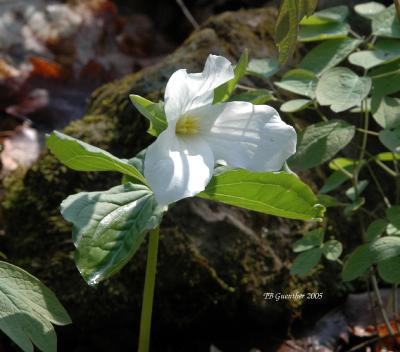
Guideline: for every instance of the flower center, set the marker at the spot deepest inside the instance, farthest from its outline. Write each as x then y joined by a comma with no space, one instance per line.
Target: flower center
187,125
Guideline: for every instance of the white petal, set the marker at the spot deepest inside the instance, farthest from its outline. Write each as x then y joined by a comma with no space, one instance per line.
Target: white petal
187,91
177,167
247,136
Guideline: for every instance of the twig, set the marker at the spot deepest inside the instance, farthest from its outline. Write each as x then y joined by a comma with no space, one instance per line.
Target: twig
187,14
380,304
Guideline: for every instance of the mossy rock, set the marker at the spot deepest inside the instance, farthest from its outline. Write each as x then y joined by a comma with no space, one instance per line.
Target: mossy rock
215,261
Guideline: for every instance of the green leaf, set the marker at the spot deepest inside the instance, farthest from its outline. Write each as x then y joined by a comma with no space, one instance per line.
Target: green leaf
386,23
81,156
286,29
336,179
354,192
391,139
386,112
256,97
363,257
387,156
357,204
389,46
389,270
369,9
295,105
224,91
385,80
357,263
320,142
342,89
305,261
393,215
28,309
263,67
375,229
109,227
332,250
323,32
306,7
154,112
341,163
310,240
328,54
335,14
299,81
274,193
368,59
328,201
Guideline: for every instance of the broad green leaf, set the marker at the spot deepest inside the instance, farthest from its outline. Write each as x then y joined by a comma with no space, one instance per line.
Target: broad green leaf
375,229
335,14
354,192
368,59
286,29
257,97
357,263
391,139
357,204
328,54
387,112
295,105
224,91
263,67
306,261
386,23
109,227
274,193
336,179
154,112
328,201
385,80
387,156
369,9
390,46
342,89
393,215
299,81
389,270
363,257
323,32
310,240
320,142
28,310
81,156
332,250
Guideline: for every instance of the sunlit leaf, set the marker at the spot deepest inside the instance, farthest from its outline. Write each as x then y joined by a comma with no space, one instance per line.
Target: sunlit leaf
342,89
274,193
109,227
299,81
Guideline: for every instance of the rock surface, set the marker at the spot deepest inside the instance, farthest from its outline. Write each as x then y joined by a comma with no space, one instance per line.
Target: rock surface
215,261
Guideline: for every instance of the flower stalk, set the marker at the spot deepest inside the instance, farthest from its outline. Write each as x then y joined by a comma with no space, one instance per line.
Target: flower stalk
148,291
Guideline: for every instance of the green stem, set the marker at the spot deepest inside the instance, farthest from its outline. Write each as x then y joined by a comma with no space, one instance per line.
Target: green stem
385,74
148,291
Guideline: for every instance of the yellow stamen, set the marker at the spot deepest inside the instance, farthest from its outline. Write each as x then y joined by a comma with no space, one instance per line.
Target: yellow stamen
187,125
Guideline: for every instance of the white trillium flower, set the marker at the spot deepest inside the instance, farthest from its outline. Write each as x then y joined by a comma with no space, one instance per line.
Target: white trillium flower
181,161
